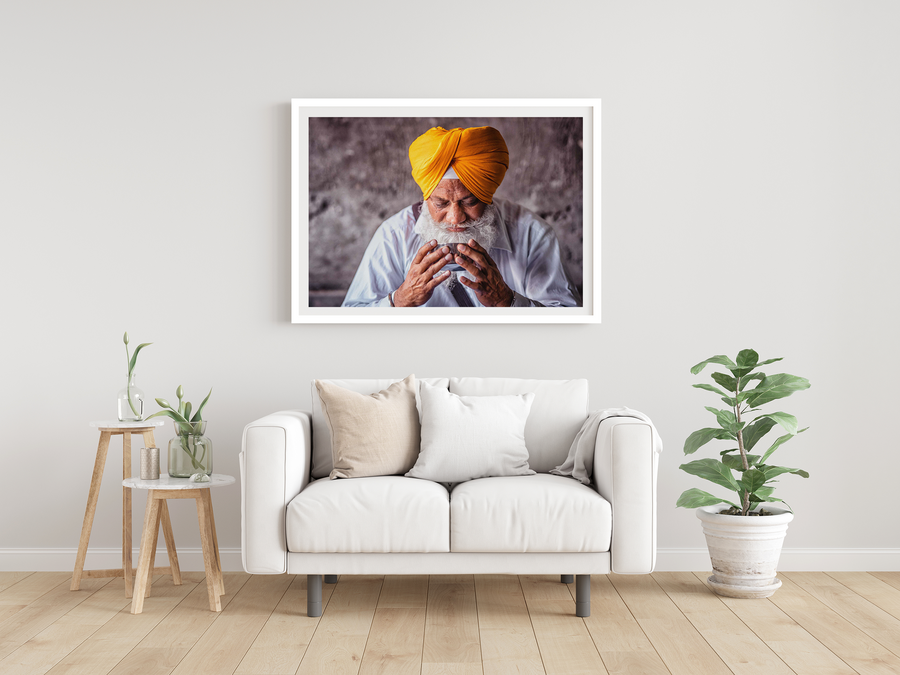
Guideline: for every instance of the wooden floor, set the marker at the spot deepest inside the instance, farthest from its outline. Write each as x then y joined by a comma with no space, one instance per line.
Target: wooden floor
816,624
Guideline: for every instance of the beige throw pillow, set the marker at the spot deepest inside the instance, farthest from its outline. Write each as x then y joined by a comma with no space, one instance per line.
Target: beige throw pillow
372,435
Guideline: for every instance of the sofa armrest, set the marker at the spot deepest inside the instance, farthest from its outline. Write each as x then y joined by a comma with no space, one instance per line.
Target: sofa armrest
275,461
624,473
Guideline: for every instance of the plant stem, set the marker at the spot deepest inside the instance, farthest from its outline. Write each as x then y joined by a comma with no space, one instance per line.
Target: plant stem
745,496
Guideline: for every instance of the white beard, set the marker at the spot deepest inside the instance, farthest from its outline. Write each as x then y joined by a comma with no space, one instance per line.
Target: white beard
484,230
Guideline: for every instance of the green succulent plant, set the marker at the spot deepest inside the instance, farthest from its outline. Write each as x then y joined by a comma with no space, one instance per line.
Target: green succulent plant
755,476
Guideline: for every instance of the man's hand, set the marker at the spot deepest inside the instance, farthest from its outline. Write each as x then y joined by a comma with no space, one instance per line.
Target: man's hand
420,280
488,283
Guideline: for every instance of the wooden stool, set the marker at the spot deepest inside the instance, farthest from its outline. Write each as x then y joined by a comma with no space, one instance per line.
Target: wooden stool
159,491
107,431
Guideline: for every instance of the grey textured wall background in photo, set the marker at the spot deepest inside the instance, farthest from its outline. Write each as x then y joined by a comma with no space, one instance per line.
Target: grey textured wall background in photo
359,175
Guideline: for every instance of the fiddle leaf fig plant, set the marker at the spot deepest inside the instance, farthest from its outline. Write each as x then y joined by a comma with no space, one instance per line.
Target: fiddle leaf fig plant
749,475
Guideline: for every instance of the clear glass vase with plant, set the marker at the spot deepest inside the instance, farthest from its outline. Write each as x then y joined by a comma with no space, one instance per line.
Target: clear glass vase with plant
130,398
190,451
755,476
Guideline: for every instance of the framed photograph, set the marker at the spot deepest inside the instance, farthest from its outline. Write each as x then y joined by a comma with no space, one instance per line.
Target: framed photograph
445,211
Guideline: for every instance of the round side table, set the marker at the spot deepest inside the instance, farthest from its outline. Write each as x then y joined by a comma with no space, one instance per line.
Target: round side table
158,491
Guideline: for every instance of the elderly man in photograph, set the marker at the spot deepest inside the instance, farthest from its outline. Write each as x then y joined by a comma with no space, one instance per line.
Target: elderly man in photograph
460,247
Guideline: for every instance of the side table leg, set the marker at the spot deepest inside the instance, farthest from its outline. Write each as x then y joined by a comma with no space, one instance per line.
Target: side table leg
209,557
215,540
90,509
148,537
170,543
127,540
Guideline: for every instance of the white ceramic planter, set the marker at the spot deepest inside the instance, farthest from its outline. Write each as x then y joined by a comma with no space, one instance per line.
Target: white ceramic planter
744,550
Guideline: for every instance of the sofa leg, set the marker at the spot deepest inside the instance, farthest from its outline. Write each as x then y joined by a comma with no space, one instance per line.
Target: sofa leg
582,595
567,578
331,578
313,595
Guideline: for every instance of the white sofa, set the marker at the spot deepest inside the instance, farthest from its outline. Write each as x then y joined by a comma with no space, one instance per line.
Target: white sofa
296,520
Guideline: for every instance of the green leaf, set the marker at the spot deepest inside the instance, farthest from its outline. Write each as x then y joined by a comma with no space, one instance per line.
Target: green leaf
135,355
709,387
196,417
749,378
187,410
725,381
774,471
701,437
755,431
752,480
774,387
781,440
171,414
163,403
735,462
788,422
721,359
712,470
765,363
726,419
691,499
746,362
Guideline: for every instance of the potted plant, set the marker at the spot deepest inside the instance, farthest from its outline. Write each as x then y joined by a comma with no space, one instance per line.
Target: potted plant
190,452
745,539
130,398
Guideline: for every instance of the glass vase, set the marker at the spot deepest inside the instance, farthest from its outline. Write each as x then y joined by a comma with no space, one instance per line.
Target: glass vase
190,451
130,401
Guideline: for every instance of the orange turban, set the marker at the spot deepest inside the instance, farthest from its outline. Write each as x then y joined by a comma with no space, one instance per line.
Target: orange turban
479,156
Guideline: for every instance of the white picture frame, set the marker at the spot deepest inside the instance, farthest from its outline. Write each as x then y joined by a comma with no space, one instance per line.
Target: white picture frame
306,113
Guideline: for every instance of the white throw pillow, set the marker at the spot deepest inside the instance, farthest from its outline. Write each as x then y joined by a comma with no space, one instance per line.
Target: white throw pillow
374,435
466,437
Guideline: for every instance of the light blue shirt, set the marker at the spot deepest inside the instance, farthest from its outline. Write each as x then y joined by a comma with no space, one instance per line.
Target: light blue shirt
526,253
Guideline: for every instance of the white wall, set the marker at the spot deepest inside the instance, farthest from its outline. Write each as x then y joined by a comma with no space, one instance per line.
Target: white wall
750,181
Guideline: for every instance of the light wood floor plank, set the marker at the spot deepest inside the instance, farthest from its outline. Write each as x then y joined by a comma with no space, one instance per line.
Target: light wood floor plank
283,640
679,645
452,644
105,648
395,642
622,644
44,609
891,578
565,643
508,643
872,620
404,591
43,651
339,641
741,650
225,643
172,638
802,652
871,588
8,579
853,646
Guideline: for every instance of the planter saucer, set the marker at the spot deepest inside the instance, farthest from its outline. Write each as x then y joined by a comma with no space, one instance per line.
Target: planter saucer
748,592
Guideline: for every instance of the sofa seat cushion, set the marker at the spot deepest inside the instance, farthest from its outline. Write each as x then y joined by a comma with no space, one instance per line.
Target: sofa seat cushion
378,514
540,513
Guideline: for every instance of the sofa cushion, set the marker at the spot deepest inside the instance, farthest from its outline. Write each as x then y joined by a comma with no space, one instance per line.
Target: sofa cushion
322,462
371,435
560,408
381,514
540,513
466,437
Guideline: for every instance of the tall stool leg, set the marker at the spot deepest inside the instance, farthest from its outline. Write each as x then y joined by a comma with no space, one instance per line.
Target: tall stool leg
90,509
127,543
209,556
313,595
582,595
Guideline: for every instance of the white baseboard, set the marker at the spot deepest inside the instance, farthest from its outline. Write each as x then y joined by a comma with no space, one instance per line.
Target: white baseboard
63,559
667,559
791,560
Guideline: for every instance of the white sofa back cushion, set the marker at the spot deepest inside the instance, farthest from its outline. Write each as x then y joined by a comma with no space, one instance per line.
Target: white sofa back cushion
559,409
322,462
